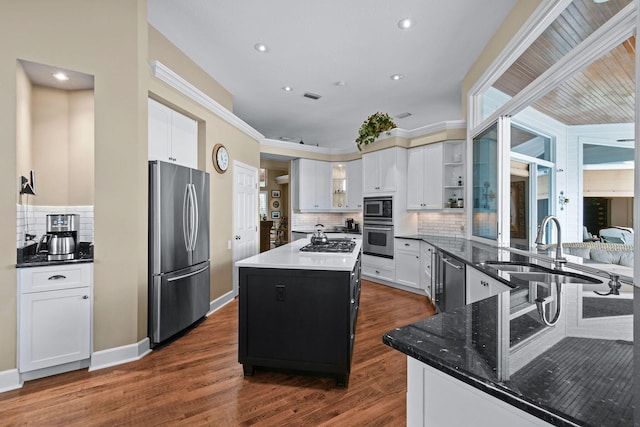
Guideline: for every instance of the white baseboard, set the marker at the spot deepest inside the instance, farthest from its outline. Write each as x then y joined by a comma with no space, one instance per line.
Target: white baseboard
220,302
119,355
395,285
10,380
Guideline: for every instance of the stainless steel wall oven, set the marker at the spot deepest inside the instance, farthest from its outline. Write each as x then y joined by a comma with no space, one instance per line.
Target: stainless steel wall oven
377,230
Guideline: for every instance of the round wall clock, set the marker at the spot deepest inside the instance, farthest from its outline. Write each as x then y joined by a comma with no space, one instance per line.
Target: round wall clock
220,158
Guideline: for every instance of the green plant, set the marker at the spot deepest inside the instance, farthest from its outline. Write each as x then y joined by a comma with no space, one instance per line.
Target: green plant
373,127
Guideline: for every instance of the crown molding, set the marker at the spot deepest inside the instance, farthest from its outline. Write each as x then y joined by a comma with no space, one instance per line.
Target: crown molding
164,73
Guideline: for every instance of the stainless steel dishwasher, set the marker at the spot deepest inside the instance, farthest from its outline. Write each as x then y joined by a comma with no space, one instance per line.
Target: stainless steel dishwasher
449,289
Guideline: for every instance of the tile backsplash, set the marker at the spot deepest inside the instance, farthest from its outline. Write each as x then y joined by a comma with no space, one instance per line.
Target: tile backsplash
307,221
32,220
442,224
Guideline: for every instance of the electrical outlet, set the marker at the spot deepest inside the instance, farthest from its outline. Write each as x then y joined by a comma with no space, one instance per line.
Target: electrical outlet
280,292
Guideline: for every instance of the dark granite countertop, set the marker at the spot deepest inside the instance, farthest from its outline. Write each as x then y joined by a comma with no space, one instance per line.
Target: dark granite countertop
26,256
578,372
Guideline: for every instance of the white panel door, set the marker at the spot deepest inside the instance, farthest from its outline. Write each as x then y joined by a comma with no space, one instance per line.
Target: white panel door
245,215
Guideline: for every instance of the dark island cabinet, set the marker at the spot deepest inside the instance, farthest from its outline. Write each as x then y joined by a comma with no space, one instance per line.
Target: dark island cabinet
298,320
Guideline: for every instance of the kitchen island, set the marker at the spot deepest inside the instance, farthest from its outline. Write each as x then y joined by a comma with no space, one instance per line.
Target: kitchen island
506,367
298,310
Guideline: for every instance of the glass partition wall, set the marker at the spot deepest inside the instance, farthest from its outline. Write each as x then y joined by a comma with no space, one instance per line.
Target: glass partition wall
585,90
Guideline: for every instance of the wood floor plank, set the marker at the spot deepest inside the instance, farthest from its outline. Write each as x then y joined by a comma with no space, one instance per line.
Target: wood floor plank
197,380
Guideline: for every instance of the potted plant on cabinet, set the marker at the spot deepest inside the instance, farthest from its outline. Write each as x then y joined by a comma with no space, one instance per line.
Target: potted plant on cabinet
373,127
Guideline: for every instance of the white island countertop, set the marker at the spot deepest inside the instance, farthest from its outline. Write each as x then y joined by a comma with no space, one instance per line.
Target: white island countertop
289,257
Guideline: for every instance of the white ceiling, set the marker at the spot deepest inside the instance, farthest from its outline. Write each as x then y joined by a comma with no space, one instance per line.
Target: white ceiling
314,44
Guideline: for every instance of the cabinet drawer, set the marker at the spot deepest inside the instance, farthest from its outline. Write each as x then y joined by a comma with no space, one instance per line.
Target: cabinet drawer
408,245
38,279
379,272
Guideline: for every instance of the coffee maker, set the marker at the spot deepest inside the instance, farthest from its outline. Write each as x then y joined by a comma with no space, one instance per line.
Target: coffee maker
61,237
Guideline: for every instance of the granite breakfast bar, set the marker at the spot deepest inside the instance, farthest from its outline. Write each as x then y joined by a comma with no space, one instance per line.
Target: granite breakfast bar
494,362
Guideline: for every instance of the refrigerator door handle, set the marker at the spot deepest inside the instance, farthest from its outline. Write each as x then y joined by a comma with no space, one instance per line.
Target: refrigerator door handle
186,230
184,276
196,218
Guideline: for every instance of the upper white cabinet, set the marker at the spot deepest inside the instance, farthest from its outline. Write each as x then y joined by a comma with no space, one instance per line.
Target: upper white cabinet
454,174
381,169
354,185
435,177
424,177
173,137
346,179
313,185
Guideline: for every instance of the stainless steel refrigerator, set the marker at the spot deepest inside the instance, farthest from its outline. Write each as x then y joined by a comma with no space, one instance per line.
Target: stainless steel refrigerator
178,249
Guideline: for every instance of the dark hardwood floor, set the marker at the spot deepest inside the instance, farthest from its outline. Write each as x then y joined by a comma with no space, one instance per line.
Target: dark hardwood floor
197,380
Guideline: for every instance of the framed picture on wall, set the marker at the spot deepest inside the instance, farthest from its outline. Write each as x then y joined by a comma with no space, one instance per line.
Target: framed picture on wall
275,214
275,194
275,204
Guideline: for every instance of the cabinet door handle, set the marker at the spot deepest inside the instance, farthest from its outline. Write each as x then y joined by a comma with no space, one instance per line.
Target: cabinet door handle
377,272
57,277
407,244
85,296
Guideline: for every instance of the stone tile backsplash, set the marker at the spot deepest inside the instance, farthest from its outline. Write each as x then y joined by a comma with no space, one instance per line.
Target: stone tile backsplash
442,224
307,221
32,220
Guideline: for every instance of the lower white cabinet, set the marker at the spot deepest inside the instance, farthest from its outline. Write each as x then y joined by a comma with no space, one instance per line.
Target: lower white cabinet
376,267
407,257
481,286
435,399
54,315
428,252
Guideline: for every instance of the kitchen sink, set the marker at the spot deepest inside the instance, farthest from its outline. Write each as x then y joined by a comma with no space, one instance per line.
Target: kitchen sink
554,277
515,266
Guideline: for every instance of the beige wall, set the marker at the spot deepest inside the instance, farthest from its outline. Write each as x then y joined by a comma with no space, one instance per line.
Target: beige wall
24,163
106,39
62,146
518,15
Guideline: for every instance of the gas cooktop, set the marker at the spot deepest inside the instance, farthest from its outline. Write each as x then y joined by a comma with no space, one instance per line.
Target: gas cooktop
332,245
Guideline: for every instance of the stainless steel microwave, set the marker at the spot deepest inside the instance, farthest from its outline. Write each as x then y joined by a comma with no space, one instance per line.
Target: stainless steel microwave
378,208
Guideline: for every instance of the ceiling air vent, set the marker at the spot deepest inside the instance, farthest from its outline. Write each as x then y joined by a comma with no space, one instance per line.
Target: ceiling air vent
403,115
312,96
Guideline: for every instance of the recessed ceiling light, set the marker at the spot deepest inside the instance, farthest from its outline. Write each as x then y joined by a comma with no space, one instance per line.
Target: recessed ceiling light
261,47
60,76
600,1
405,23
397,77
340,83
287,88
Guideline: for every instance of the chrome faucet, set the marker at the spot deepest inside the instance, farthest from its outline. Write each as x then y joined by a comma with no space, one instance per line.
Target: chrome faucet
560,259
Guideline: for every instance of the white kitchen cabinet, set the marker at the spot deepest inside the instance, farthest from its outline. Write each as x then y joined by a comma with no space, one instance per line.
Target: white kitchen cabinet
346,179
173,137
480,286
424,177
408,263
54,315
427,266
430,402
313,186
380,170
453,157
354,185
379,269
